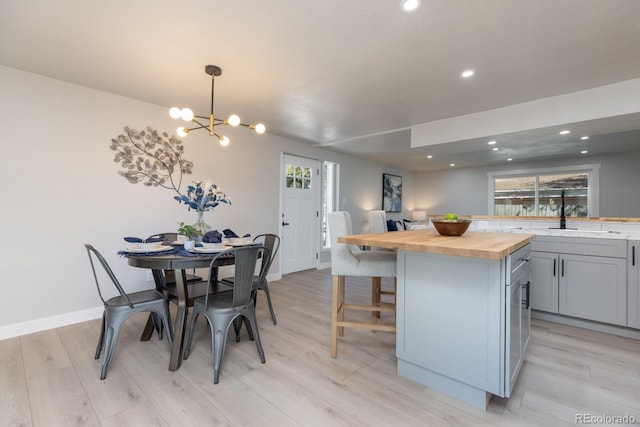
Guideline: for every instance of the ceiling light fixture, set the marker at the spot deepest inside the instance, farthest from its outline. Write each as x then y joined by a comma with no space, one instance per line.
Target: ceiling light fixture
491,142
411,5
468,73
429,156
452,164
584,152
564,132
187,115
584,137
509,159
495,148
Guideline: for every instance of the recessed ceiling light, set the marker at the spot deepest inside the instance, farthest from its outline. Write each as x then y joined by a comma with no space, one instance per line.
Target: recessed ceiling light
491,142
429,156
452,164
468,73
495,148
564,132
584,152
410,5
509,159
584,137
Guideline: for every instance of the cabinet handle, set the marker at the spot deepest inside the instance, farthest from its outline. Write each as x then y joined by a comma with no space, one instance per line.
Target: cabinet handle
528,285
562,267
554,268
633,255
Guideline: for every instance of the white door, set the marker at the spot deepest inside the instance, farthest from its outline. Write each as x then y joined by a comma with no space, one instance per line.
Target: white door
300,219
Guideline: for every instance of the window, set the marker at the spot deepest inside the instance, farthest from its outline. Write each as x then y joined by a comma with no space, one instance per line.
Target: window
298,177
330,174
539,192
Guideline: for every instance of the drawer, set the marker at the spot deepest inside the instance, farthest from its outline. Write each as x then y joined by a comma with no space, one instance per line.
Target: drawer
615,248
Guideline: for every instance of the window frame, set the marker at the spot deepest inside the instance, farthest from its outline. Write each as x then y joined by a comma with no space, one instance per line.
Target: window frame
334,193
593,189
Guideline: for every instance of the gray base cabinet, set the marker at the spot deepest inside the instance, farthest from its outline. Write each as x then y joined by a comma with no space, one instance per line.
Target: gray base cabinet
633,291
544,276
580,277
593,288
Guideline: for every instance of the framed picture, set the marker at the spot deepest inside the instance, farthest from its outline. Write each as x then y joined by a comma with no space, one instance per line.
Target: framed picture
391,192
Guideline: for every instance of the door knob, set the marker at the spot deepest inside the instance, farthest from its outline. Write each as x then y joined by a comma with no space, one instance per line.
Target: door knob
285,223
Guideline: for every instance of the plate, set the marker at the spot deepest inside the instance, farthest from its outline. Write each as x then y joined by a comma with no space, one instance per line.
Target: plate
148,250
199,250
248,243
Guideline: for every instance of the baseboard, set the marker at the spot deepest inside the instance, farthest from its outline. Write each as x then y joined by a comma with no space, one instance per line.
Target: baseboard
324,265
587,324
37,325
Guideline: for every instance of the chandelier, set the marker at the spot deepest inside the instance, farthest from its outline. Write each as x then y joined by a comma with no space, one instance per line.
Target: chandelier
187,115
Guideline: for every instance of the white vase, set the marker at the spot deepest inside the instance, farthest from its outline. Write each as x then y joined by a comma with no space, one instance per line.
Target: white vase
189,244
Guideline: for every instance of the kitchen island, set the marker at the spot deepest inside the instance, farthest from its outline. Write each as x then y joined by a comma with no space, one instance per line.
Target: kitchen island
461,325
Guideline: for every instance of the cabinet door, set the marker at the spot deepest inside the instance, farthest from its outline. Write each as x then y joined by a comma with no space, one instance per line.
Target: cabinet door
544,281
633,303
593,288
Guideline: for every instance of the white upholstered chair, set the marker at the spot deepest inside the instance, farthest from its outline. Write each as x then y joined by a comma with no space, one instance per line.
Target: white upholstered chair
377,221
345,262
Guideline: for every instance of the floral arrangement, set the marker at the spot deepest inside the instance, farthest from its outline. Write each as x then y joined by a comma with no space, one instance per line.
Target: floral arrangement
203,199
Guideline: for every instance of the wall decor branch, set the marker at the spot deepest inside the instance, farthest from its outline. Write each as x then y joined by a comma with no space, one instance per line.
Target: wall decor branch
151,158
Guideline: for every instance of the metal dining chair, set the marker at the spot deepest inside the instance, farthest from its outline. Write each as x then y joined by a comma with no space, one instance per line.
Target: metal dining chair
119,308
221,310
271,242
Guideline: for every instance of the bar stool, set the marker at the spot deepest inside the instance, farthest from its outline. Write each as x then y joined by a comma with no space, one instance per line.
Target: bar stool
345,262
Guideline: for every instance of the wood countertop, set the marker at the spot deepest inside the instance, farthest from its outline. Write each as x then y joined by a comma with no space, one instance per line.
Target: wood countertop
474,244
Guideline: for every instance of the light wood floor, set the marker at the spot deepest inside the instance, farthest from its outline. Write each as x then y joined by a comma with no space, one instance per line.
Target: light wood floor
51,379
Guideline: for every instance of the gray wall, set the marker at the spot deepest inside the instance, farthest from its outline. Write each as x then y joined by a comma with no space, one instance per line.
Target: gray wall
465,191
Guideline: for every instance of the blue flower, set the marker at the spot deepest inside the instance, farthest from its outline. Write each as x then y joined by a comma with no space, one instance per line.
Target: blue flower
203,199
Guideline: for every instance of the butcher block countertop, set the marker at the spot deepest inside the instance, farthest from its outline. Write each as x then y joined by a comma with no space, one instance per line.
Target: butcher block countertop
473,244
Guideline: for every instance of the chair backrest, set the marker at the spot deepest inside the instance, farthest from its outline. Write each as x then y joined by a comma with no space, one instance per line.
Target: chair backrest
271,242
93,253
246,259
343,261
377,221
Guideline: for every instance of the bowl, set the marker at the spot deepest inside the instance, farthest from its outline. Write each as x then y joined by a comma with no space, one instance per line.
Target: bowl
212,245
148,245
451,227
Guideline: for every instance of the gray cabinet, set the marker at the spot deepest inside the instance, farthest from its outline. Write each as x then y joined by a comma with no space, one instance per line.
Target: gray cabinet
593,288
633,291
544,276
580,277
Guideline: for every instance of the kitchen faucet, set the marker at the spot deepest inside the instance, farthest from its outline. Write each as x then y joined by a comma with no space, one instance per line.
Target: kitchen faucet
563,219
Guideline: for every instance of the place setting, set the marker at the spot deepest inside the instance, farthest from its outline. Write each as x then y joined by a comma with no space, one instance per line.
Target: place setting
153,246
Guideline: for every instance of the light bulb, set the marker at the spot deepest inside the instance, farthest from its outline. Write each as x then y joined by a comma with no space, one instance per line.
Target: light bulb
224,141
260,128
174,112
182,132
186,114
234,120
410,5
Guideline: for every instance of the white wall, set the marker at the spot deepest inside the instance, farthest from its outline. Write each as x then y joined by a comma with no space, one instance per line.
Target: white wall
62,190
465,191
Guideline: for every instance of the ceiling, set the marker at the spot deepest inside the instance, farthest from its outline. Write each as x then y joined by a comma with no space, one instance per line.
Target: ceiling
347,75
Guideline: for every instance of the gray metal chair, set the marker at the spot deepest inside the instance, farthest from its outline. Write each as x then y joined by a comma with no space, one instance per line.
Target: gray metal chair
221,310
119,308
271,242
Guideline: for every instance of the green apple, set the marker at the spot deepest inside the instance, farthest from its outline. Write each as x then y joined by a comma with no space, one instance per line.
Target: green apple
451,216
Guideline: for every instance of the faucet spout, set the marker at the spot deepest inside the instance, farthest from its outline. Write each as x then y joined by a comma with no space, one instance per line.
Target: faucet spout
563,219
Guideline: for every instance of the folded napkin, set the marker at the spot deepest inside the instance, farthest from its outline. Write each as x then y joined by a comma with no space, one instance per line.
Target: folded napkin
212,237
228,233
139,240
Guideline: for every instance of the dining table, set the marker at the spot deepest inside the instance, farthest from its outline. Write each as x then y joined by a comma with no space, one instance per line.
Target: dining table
177,261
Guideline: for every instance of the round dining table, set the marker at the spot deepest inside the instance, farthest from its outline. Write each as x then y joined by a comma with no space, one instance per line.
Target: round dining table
178,264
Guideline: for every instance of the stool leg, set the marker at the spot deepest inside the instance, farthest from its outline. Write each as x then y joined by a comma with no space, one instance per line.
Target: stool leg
376,288
334,316
341,284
